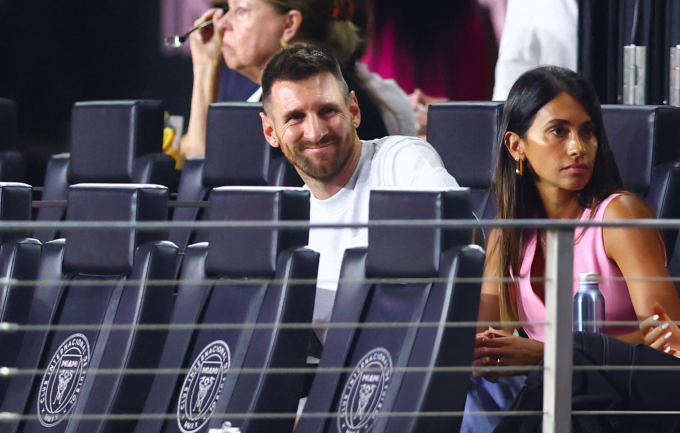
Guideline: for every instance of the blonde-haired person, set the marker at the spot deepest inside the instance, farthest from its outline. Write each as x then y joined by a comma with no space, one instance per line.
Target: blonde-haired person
253,31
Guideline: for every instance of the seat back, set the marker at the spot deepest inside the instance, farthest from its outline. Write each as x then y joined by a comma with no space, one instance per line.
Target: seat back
19,258
641,138
465,136
645,141
95,277
379,357
111,142
107,137
215,290
236,154
15,205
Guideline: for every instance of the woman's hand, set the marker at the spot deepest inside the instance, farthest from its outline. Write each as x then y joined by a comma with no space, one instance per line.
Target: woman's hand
661,333
206,55
206,43
498,348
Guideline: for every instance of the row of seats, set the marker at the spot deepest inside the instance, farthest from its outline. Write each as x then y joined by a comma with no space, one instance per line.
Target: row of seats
120,142
114,142
236,282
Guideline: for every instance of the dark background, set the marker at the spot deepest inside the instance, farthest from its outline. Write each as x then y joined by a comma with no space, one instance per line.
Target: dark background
54,53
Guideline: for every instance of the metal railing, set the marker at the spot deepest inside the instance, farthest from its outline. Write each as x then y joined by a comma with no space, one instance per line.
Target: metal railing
558,360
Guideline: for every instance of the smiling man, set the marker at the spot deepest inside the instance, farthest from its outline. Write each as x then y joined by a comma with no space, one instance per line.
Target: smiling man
312,117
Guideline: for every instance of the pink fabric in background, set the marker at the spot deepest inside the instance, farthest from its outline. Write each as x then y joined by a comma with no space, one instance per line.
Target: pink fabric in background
459,67
178,16
391,60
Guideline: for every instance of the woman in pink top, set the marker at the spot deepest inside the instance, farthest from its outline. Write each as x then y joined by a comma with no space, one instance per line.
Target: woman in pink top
555,162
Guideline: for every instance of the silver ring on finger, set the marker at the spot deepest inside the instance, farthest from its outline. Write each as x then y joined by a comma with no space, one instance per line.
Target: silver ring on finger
498,362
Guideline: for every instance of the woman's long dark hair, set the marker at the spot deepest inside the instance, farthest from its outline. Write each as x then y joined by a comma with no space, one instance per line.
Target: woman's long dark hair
517,196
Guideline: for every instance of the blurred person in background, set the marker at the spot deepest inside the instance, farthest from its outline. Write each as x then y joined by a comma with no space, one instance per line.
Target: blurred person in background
252,31
395,106
534,33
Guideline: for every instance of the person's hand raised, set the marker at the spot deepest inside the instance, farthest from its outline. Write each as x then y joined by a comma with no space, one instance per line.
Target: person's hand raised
206,43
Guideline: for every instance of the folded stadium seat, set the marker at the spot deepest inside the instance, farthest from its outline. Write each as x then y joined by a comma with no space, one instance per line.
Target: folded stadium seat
375,356
465,135
645,140
94,278
11,162
209,393
19,259
111,142
236,154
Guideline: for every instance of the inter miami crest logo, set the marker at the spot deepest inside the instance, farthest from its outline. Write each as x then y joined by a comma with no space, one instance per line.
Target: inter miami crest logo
202,387
63,380
365,391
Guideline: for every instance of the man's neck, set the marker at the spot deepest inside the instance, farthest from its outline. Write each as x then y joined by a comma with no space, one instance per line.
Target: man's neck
323,190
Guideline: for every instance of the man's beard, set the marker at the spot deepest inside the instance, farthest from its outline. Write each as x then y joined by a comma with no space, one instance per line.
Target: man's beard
324,172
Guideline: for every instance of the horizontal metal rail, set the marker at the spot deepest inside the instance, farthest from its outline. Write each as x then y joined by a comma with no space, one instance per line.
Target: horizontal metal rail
9,372
305,225
63,204
13,417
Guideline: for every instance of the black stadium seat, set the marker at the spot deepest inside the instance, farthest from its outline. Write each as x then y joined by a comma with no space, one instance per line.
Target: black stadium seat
645,141
95,277
465,136
111,142
11,162
19,258
236,154
208,354
359,396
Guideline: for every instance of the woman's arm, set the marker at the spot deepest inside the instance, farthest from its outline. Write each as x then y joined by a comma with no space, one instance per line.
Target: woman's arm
489,304
206,56
495,348
639,253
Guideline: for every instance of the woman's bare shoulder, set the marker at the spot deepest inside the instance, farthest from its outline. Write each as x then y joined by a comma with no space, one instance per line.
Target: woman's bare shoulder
627,206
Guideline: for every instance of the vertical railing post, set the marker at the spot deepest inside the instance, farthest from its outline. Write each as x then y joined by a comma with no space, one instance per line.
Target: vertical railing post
558,356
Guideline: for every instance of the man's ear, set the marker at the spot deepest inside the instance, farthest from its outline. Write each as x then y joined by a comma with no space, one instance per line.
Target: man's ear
354,109
268,130
292,26
514,144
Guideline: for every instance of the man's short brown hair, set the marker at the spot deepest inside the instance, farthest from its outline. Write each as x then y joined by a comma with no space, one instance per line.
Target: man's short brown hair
297,63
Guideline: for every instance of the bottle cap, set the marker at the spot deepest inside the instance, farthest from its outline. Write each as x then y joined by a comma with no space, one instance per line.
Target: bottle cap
588,278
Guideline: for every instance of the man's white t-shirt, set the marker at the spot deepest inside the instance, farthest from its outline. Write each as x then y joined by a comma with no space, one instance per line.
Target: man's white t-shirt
394,161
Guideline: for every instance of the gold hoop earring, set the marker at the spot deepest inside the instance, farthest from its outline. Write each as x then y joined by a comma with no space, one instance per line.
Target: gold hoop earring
284,44
520,167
